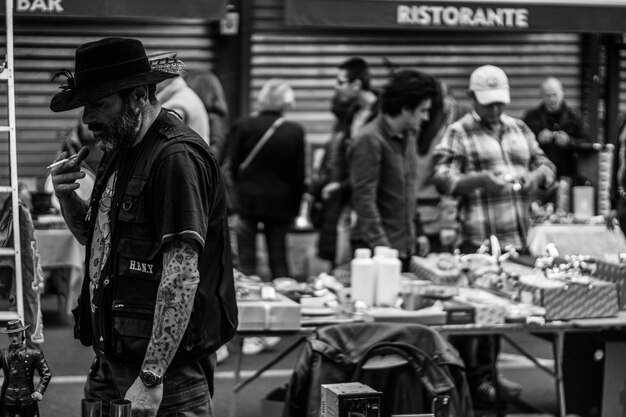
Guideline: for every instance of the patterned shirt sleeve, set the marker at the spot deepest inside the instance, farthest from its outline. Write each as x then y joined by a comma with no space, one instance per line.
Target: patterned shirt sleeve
449,160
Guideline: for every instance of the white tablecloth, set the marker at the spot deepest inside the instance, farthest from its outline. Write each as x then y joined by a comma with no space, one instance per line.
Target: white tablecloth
59,249
577,239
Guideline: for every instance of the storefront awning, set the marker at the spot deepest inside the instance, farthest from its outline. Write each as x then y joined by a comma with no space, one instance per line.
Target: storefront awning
198,9
500,15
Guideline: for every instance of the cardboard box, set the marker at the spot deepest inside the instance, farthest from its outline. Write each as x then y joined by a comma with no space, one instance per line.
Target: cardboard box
349,399
280,313
569,301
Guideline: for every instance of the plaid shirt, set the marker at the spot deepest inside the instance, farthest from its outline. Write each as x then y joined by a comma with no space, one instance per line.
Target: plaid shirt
470,146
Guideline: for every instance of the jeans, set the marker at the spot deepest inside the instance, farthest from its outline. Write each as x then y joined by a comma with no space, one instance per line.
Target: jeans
186,390
275,235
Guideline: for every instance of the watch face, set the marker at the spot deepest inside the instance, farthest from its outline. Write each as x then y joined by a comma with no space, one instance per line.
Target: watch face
149,378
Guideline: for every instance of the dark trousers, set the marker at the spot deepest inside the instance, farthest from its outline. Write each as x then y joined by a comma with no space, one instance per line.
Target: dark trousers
27,410
476,350
361,244
275,232
476,354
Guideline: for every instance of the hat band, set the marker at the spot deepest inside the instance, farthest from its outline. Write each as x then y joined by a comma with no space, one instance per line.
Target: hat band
99,75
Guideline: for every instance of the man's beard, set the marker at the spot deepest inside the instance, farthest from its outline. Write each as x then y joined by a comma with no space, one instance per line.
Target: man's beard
122,133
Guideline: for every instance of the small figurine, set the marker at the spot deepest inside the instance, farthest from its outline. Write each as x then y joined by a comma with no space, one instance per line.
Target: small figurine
18,396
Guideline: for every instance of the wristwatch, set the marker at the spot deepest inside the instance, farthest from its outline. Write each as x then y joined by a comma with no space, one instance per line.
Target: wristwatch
150,379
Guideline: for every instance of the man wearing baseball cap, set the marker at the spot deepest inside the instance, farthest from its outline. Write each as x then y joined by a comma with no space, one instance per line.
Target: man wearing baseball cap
493,163
158,296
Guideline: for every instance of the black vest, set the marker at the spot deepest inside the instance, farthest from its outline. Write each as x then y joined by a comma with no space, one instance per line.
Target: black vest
121,326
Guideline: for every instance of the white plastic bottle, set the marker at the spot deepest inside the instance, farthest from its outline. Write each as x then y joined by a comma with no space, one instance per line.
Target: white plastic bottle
363,277
389,270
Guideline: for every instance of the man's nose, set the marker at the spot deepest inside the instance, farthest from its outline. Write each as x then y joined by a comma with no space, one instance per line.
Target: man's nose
87,115
495,108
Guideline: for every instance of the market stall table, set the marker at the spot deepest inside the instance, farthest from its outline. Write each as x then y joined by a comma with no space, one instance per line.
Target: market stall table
555,331
58,248
575,239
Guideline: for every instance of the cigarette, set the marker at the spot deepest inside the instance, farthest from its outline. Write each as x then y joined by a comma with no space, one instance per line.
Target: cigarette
61,162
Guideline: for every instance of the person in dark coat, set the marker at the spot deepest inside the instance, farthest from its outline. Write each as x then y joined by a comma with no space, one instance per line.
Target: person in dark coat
354,103
558,127
19,363
269,179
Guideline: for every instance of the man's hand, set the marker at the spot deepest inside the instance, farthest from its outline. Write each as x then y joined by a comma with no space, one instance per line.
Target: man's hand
561,139
494,183
447,237
532,181
423,245
611,220
545,137
329,189
65,176
36,396
145,401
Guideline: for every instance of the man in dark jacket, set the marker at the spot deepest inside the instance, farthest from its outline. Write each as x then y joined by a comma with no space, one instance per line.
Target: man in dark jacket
558,127
19,363
158,295
382,162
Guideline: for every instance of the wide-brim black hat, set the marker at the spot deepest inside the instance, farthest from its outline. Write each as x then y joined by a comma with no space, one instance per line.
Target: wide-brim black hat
103,68
14,326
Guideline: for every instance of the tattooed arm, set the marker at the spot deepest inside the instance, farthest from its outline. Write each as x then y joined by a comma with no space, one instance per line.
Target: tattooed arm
174,303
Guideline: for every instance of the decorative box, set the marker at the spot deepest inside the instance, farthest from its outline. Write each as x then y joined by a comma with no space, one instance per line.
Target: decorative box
442,268
489,308
279,313
616,273
564,300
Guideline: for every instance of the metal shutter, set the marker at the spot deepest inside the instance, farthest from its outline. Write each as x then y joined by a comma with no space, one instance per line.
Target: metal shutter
44,46
308,58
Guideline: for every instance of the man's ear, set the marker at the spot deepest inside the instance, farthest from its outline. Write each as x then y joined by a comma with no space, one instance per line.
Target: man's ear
357,84
139,96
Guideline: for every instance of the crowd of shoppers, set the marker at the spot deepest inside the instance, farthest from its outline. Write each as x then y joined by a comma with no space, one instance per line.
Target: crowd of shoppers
405,167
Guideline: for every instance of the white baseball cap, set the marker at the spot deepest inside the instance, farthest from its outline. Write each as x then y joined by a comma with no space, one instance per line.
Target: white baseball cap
490,85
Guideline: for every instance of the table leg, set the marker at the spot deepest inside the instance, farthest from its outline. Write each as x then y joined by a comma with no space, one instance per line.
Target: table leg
500,408
558,344
232,412
277,358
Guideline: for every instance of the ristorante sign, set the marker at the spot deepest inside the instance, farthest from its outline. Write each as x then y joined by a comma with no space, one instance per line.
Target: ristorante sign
200,9
502,15
451,16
